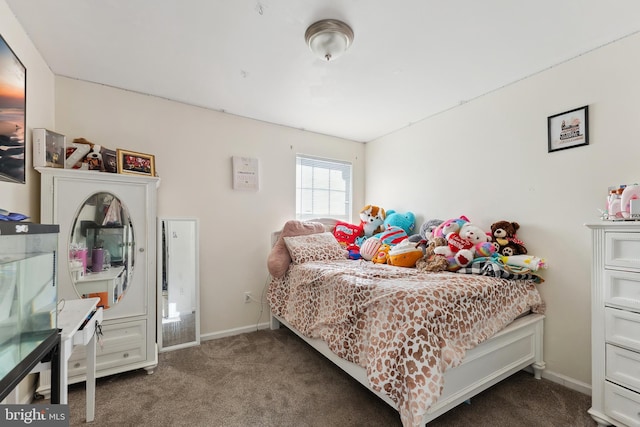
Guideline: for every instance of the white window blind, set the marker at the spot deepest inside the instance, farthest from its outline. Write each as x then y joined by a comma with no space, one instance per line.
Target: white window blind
323,188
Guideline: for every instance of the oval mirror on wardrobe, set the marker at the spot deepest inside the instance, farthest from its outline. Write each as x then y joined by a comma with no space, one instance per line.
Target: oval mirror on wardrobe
178,283
101,249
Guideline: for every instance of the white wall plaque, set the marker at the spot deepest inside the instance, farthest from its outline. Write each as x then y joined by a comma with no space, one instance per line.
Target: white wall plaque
246,173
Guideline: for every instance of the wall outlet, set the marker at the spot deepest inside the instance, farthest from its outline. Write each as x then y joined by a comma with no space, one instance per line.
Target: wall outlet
247,297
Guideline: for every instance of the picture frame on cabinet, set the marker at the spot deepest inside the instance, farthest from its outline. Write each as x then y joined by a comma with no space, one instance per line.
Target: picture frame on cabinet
131,162
109,160
569,129
48,148
13,111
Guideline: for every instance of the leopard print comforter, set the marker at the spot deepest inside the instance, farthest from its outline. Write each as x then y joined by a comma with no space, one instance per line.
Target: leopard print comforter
405,327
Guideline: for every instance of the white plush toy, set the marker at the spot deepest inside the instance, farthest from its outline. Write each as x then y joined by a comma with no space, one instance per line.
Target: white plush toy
461,245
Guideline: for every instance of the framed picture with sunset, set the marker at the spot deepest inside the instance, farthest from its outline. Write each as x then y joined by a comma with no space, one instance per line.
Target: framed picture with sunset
13,99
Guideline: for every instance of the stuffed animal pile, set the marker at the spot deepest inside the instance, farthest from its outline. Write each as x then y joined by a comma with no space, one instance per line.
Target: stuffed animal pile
381,237
456,243
386,237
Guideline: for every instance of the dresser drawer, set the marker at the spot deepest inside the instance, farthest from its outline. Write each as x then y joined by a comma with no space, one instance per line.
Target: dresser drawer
622,289
622,250
621,404
622,328
623,367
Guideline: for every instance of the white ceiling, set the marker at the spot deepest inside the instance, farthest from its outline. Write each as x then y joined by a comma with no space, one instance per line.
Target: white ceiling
410,59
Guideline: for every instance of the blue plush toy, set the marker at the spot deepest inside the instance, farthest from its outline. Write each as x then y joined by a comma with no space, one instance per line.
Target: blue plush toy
406,221
397,227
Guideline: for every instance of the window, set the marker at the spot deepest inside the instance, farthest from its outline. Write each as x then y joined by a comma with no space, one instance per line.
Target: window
323,188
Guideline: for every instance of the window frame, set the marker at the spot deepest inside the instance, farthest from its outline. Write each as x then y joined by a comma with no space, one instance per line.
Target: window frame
331,165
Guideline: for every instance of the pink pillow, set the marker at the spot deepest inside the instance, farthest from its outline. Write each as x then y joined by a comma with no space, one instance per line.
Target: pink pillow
279,258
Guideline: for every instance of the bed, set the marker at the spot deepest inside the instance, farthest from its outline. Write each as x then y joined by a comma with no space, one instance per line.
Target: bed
423,342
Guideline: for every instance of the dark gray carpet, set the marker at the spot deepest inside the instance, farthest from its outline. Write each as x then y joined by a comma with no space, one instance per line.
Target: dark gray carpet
272,378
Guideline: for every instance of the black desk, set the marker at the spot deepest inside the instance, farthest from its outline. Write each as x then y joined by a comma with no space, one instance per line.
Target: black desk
48,349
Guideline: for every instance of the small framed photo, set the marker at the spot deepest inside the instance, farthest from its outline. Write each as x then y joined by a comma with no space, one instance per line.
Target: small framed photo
136,163
569,129
109,160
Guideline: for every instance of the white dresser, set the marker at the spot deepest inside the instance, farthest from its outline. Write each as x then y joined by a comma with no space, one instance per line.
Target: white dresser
615,323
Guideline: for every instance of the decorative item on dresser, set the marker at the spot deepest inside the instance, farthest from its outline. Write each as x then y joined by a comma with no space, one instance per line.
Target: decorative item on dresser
107,250
615,323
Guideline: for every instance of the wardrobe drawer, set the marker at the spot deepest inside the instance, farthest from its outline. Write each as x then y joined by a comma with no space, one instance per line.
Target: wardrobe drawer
622,250
622,289
621,404
622,328
623,367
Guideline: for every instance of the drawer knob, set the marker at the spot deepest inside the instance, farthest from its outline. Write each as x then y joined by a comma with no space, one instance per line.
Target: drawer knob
141,249
76,365
125,355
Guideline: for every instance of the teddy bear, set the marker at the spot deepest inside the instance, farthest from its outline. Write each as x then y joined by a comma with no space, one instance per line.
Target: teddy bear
504,239
461,245
372,220
432,261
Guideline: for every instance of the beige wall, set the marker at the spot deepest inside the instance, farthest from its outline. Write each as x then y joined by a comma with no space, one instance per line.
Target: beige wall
25,198
488,159
193,148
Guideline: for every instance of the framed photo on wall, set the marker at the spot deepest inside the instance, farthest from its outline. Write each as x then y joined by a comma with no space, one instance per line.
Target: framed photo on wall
569,129
13,102
136,163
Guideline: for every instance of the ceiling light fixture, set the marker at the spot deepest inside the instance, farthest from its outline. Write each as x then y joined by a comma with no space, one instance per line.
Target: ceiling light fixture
329,38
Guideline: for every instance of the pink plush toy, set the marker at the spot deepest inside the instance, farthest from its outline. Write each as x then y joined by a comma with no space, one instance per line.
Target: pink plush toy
450,226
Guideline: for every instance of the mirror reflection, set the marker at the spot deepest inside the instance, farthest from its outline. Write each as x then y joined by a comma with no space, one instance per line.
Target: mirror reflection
101,249
178,265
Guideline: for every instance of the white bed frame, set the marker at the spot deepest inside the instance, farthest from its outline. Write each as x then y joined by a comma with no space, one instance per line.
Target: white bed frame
515,347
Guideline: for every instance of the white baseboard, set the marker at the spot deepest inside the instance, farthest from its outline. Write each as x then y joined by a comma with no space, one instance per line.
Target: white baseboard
568,382
563,380
234,331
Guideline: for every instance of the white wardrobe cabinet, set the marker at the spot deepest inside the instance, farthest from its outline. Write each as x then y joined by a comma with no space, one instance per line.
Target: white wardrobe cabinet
107,246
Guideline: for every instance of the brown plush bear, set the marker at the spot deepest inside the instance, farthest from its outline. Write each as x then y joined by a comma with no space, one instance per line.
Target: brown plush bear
503,237
432,261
